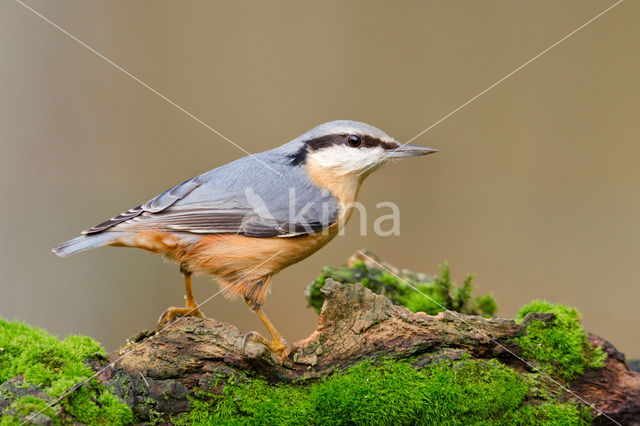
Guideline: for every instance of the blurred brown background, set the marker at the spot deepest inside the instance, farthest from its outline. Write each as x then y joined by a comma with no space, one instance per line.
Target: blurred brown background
535,188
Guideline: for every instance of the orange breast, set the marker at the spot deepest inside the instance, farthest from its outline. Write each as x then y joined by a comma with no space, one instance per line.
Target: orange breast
237,257
236,260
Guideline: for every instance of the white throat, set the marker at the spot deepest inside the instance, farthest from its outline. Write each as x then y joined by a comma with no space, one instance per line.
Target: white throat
344,160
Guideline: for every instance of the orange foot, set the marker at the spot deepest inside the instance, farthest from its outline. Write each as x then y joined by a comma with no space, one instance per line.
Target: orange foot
275,346
172,314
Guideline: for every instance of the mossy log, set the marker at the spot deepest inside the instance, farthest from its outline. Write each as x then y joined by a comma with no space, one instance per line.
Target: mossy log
391,347
156,373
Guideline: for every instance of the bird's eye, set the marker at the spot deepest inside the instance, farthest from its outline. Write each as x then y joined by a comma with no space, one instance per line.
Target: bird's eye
354,141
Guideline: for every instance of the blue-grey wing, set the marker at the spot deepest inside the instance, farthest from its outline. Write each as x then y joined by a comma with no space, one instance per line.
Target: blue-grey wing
157,204
239,198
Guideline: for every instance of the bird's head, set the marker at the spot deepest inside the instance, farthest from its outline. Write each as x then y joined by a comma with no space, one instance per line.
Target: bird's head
350,149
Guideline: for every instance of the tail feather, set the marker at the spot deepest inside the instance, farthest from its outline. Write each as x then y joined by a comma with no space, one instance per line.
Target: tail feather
86,242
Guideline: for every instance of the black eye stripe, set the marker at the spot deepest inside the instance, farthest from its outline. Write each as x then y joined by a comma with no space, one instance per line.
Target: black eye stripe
371,142
324,142
336,139
300,157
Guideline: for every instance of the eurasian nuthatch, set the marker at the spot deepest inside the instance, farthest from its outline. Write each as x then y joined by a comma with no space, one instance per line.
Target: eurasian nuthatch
235,222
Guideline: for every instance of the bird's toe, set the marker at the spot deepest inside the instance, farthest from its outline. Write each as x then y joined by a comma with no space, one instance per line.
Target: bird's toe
173,314
274,346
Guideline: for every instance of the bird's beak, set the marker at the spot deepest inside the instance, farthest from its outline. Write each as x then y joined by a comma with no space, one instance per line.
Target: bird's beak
410,151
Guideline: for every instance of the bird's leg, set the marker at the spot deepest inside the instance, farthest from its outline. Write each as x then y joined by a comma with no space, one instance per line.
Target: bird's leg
255,299
190,309
190,301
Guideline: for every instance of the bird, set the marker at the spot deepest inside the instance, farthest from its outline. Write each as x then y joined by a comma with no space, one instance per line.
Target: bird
245,221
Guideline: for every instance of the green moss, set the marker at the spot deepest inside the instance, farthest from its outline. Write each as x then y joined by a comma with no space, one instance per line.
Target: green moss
25,405
459,392
249,402
561,346
549,414
389,392
442,291
54,366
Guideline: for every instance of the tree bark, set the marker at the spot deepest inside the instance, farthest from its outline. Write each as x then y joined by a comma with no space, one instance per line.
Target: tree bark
155,372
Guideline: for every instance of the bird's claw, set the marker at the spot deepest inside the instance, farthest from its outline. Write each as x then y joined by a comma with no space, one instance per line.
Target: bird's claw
274,346
173,314
247,336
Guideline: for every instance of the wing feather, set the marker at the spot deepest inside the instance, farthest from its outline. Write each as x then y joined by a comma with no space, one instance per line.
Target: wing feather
246,203
156,204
